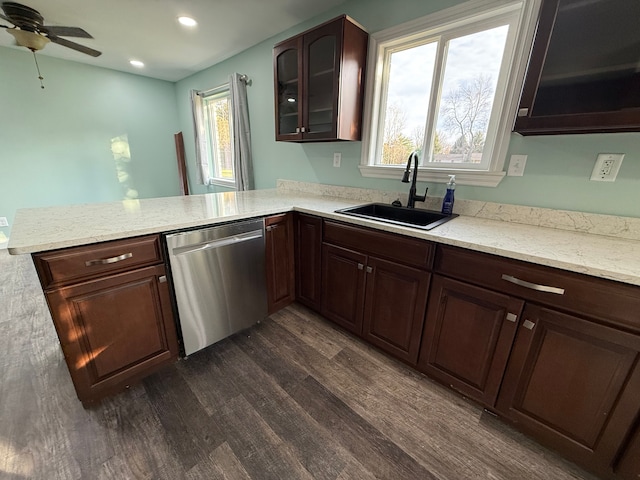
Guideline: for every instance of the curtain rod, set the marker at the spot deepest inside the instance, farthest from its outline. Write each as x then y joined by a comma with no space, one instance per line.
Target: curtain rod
205,93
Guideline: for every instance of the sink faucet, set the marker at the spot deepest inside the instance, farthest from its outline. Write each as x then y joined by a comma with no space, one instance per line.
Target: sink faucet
411,203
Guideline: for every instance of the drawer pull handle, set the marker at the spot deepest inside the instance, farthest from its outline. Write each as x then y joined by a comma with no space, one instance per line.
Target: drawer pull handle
512,317
360,266
533,286
107,261
369,269
162,279
528,324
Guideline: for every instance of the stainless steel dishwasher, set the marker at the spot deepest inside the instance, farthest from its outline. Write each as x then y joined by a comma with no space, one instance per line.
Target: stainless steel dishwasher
219,280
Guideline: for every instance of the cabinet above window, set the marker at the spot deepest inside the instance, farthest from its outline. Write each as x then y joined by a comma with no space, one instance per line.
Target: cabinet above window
319,83
584,73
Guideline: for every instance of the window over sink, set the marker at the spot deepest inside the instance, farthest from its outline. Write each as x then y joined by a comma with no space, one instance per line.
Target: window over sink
447,85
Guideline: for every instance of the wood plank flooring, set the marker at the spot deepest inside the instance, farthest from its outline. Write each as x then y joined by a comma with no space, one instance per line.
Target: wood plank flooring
292,398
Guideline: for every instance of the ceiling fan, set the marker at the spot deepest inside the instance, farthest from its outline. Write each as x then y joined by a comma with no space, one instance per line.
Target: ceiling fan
30,32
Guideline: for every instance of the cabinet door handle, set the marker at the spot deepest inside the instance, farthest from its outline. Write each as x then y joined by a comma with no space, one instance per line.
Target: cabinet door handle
297,129
107,261
369,269
533,286
360,266
523,112
512,317
303,129
162,279
528,324
268,228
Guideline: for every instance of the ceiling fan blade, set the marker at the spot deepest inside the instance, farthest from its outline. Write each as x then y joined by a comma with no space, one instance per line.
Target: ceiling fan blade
74,46
5,18
65,31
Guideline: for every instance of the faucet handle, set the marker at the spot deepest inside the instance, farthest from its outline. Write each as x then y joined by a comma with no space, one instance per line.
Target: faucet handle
422,198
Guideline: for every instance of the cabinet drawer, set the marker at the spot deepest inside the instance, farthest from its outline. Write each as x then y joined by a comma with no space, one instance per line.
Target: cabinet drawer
610,302
410,251
71,265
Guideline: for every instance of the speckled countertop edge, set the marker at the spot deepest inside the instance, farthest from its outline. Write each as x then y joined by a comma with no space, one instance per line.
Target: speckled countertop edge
50,228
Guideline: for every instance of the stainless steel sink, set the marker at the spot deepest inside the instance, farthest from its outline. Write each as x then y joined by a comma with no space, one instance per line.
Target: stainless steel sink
407,217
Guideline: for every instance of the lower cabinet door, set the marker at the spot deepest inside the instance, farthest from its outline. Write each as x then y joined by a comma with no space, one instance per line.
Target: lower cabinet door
395,304
467,337
114,330
308,264
573,384
343,277
279,261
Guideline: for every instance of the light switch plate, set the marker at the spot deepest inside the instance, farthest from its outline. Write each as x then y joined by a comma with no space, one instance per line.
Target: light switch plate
607,167
516,165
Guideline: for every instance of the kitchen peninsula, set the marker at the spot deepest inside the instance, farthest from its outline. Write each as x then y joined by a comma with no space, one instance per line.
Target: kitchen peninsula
506,303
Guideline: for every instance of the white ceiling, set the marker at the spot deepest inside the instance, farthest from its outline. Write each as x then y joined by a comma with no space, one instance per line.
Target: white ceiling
148,30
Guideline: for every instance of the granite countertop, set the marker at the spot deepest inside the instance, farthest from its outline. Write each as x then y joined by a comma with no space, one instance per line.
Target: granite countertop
43,229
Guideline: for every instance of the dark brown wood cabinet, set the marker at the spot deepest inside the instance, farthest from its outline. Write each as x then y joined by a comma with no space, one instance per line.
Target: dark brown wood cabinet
319,83
111,307
279,241
308,251
468,336
396,300
376,285
574,384
565,370
580,77
343,283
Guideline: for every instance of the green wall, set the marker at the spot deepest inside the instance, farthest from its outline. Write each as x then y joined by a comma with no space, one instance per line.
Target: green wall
56,143
558,167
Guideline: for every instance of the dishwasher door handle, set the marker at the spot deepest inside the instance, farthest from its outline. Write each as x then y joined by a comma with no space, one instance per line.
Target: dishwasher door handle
221,242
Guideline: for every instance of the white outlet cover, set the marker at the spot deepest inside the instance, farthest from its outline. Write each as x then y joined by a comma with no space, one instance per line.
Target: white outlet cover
601,173
3,222
337,158
516,165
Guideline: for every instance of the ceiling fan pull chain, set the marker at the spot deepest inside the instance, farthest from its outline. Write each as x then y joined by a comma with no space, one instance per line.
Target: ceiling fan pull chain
38,68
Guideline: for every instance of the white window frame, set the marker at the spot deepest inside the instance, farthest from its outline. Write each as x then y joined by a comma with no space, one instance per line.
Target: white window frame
206,148
445,22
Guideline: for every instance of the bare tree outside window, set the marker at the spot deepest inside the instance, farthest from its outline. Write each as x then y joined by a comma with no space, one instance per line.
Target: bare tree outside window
397,145
465,115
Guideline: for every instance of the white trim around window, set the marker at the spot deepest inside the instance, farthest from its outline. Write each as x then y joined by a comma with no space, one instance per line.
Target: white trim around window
520,13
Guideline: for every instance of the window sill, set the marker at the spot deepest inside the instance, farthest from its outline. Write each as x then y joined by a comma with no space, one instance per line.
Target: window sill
463,177
222,183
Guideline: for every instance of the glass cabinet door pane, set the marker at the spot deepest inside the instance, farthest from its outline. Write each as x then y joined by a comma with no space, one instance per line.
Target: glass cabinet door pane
321,95
288,101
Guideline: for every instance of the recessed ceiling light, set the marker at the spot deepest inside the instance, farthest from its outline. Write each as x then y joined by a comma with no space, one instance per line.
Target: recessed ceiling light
136,63
187,21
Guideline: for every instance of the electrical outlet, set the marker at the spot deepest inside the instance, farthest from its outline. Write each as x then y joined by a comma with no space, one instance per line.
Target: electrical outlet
607,167
516,165
3,222
337,158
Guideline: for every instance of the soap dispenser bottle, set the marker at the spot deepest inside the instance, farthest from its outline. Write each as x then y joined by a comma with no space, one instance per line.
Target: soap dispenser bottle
447,202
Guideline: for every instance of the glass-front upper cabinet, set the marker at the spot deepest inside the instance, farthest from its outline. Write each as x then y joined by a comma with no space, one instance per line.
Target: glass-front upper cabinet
584,73
288,88
319,83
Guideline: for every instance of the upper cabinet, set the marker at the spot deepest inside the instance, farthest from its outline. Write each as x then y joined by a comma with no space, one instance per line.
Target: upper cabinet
583,74
319,83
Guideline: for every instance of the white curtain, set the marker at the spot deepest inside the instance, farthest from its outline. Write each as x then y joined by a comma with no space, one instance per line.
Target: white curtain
202,162
243,162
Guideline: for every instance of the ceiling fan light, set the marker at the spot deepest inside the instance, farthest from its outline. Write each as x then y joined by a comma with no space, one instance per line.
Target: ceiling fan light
187,21
136,63
24,38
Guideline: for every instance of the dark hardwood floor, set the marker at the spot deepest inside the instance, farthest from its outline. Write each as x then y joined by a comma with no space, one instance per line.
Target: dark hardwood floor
292,398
